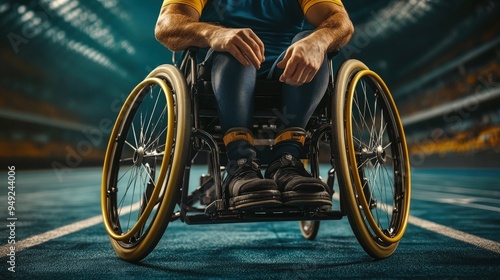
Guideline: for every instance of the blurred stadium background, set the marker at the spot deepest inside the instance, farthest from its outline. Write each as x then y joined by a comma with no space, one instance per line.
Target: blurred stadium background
67,66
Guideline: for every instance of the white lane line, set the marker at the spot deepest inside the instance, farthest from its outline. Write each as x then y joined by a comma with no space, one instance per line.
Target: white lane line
462,197
58,232
50,235
457,200
484,243
487,244
474,192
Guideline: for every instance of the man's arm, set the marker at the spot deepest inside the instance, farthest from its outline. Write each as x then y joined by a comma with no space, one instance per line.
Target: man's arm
333,26
304,58
178,28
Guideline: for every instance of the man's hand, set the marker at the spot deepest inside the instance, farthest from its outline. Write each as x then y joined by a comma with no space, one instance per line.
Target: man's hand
304,58
243,44
178,28
301,62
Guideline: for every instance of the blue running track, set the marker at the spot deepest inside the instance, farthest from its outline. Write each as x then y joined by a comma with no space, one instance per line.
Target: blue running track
454,233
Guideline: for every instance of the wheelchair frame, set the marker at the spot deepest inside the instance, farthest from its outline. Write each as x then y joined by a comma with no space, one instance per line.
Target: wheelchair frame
216,211
166,186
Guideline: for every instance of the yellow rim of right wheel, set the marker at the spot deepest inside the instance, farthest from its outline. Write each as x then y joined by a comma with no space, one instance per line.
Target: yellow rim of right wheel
352,158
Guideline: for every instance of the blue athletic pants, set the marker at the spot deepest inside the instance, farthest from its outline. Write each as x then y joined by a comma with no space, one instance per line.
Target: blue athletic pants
234,85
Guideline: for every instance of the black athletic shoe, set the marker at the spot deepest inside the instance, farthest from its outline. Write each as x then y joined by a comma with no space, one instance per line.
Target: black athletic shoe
297,186
246,188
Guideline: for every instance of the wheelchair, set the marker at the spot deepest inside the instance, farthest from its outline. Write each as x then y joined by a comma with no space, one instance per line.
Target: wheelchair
169,122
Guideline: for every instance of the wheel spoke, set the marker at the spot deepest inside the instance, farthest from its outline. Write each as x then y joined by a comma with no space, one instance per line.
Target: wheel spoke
387,146
135,135
361,116
142,123
130,145
362,119
148,176
155,154
124,173
127,187
157,138
382,129
126,160
152,112
373,130
132,197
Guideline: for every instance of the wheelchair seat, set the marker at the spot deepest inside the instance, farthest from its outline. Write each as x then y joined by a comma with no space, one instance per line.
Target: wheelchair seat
267,103
267,92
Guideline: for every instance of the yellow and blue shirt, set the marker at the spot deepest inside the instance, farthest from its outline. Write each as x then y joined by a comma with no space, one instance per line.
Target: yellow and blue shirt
199,5
276,22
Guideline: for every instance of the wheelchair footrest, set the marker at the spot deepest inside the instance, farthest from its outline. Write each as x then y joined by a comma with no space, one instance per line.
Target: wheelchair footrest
275,214
214,207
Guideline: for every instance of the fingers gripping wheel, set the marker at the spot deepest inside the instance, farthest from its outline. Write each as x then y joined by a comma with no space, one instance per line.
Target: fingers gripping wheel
373,167
145,154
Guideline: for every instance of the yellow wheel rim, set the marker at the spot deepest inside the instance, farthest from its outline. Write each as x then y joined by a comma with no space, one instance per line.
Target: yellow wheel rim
110,155
352,157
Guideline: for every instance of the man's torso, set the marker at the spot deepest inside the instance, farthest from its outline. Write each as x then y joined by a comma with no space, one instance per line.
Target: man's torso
276,22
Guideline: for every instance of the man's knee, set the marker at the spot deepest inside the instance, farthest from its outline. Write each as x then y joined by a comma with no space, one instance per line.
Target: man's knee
225,59
225,64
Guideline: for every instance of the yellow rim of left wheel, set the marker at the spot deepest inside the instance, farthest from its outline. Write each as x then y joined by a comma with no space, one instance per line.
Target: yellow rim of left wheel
110,154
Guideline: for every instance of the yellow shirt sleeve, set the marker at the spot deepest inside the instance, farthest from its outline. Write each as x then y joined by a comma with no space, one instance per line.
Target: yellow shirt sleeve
306,4
199,4
196,4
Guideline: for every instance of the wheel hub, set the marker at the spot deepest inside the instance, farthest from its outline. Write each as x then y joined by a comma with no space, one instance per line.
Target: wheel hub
381,155
138,156
375,153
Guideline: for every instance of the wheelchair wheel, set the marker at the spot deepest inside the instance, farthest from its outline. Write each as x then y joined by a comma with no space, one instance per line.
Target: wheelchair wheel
145,157
309,229
372,159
